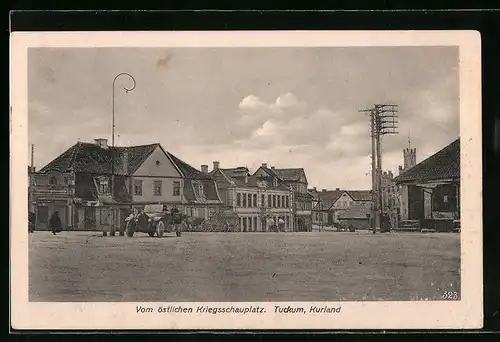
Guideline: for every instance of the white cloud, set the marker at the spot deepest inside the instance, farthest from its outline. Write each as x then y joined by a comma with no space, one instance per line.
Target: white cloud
252,102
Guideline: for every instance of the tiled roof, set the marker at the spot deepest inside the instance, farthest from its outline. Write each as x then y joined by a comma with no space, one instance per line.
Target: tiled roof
86,189
356,211
444,164
187,170
328,198
289,174
209,190
90,158
236,177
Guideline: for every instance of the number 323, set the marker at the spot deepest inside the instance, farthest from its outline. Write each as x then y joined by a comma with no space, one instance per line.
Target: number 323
450,295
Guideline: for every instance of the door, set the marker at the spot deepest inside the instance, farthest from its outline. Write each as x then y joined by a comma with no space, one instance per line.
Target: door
427,204
89,218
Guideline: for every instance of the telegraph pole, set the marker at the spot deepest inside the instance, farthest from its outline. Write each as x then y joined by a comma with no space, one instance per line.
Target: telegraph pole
382,121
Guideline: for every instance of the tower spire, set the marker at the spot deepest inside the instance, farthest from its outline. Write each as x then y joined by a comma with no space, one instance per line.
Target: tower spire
409,140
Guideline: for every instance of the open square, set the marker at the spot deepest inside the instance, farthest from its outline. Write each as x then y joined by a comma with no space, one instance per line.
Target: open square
223,267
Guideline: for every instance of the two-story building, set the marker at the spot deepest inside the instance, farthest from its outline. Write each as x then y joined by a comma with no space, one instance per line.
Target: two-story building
79,185
296,180
258,203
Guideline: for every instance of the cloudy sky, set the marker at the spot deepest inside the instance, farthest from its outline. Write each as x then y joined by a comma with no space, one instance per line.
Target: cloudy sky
289,107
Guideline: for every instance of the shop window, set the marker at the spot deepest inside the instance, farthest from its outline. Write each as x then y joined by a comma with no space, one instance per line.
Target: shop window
43,214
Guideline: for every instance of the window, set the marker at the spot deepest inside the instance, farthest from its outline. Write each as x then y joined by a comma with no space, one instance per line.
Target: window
244,224
157,188
177,188
241,223
274,201
287,202
250,224
263,200
244,200
269,202
43,214
138,187
102,185
255,200
445,199
279,201
255,224
249,200
238,200
53,180
287,220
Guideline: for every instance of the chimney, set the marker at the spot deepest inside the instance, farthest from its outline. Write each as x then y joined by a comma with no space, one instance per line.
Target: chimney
264,164
216,165
125,162
315,189
337,189
204,168
272,167
102,143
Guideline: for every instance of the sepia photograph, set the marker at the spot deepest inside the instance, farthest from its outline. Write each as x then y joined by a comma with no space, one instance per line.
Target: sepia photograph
265,179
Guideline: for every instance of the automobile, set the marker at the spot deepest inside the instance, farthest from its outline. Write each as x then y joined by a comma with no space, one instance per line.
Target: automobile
155,220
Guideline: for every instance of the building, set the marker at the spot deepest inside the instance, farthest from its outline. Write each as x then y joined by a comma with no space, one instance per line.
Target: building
296,180
331,203
409,158
390,198
258,202
430,191
356,215
31,202
79,182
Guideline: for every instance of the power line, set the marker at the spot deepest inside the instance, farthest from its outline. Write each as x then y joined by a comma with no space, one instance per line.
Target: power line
383,121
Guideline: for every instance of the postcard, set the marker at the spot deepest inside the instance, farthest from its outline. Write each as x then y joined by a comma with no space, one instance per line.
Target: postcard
246,180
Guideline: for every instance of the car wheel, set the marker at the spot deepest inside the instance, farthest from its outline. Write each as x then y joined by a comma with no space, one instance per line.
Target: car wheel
151,234
160,229
178,232
130,230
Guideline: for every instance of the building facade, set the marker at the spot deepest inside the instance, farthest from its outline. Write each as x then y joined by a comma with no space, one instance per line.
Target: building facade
261,205
332,205
430,190
79,185
296,180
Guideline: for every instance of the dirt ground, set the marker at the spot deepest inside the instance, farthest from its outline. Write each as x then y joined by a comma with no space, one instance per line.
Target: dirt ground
317,266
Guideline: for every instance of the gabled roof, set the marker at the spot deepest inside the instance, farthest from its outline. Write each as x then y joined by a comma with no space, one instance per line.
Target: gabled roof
328,198
90,158
444,164
236,176
360,195
187,170
289,175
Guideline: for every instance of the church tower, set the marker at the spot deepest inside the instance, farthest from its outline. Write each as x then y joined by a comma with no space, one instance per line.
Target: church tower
409,157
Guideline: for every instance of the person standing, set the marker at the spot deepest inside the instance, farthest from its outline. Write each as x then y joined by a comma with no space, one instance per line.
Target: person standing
55,223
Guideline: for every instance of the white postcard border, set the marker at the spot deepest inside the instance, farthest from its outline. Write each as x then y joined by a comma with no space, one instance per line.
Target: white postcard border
466,313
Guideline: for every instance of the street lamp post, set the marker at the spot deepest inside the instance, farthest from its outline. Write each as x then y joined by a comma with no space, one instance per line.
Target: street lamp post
113,226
